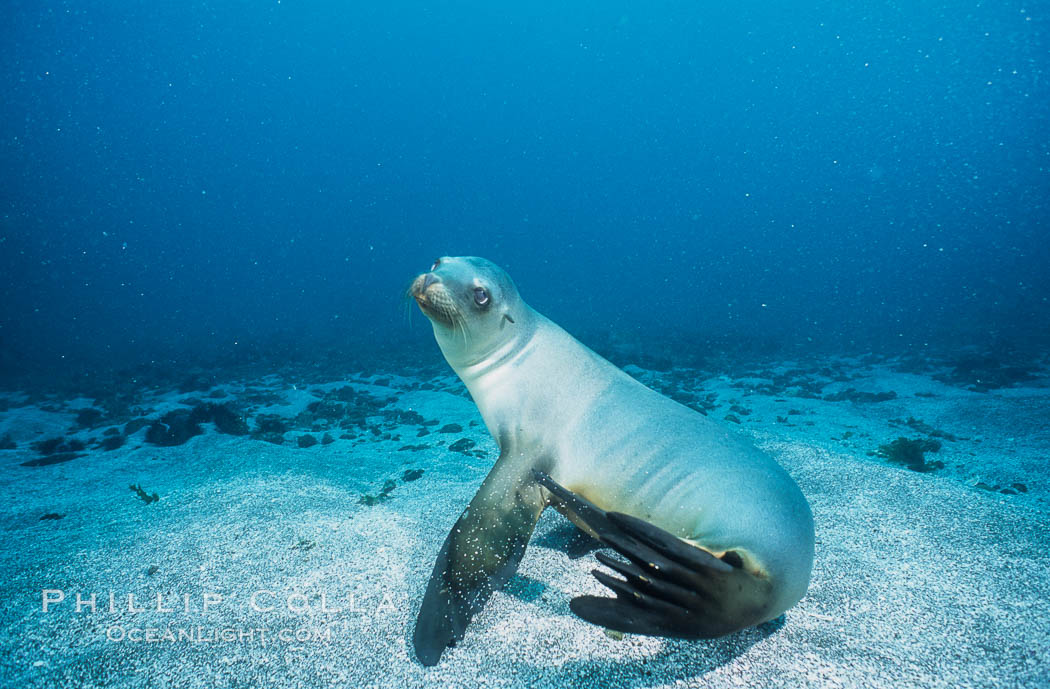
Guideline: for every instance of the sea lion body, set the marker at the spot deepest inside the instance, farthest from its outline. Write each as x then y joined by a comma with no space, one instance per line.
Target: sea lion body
578,433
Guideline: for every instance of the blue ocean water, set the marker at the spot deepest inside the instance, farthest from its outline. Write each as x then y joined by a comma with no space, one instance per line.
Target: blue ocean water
197,178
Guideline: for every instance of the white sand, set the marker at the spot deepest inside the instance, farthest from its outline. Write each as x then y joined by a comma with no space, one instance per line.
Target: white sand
921,580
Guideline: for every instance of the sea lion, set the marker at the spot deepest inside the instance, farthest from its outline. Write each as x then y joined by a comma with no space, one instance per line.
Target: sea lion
717,536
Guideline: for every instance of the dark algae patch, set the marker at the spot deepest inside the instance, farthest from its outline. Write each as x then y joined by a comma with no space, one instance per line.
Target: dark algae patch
1012,489
858,397
384,494
226,420
462,445
89,417
135,425
388,487
57,458
143,495
911,453
270,428
53,446
923,427
177,427
55,451
174,428
111,442
988,372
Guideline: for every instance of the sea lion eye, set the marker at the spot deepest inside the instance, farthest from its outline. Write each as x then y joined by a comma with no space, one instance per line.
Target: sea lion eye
481,296
437,262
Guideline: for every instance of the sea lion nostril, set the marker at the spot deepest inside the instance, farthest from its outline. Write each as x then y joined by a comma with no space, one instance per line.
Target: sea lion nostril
429,280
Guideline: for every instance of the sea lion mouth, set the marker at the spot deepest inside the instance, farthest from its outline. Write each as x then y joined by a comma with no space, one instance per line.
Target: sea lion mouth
434,300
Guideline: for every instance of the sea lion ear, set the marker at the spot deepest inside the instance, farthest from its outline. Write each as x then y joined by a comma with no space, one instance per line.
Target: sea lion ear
507,317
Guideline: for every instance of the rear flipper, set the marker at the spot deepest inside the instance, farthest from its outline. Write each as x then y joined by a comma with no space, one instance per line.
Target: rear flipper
670,588
581,544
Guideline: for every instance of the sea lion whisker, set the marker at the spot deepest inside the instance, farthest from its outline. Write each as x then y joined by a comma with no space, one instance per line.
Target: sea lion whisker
467,337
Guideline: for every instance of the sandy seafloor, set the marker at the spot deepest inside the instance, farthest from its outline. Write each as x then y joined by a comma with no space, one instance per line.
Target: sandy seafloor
921,579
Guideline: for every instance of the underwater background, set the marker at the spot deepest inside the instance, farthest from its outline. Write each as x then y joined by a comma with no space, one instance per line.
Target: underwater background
823,225
197,180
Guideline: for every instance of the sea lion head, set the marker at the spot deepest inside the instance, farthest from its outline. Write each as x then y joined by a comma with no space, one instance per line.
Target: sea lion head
473,305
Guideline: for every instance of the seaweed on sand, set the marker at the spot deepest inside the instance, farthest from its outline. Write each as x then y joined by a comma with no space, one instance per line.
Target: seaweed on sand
912,453
89,417
982,373
174,428
271,428
463,445
55,445
389,485
923,427
859,397
177,427
47,460
383,496
143,495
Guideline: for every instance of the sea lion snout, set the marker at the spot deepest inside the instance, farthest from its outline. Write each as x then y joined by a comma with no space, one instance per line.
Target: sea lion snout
434,299
421,284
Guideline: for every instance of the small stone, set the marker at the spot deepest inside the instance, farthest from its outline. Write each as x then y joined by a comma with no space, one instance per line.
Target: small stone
462,445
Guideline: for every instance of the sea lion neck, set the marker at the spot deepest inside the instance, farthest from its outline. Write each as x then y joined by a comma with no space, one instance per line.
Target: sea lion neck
493,353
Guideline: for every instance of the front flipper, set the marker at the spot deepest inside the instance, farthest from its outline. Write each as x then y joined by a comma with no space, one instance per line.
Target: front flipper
479,556
670,587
